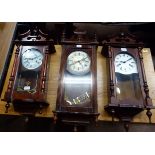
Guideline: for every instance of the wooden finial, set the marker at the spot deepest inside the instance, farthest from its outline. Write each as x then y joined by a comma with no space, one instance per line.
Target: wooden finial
149,114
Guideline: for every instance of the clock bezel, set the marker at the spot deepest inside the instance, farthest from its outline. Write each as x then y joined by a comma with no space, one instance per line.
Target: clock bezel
78,73
135,60
36,49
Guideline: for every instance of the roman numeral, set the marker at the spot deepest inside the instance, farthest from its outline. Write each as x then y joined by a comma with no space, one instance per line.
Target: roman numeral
118,65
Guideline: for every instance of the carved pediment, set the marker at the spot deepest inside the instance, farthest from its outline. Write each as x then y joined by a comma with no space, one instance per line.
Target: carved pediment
32,36
79,37
122,39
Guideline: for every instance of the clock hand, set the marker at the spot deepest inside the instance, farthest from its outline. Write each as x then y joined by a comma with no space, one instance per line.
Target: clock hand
33,58
83,59
36,57
79,61
74,63
127,60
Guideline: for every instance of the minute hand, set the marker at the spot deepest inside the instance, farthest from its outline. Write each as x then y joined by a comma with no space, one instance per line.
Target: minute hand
127,60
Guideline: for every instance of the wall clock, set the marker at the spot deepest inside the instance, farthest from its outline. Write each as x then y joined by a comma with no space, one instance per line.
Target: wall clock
129,92
27,83
77,90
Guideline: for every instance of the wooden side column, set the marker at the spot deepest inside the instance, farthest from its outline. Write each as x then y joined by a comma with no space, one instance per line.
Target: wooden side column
7,96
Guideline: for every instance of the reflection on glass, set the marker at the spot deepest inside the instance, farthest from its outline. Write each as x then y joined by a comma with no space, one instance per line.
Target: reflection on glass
127,78
128,87
27,82
77,89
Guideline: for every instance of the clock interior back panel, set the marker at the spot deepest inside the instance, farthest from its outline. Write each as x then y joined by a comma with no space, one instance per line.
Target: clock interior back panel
102,81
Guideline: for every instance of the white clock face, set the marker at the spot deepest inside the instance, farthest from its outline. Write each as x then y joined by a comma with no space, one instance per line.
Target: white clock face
32,58
125,64
78,63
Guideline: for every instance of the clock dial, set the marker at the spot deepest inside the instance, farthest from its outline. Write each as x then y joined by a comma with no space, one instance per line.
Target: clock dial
78,63
32,58
125,64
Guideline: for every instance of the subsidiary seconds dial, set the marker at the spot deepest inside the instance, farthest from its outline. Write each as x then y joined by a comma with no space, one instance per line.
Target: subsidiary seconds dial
78,63
125,64
32,58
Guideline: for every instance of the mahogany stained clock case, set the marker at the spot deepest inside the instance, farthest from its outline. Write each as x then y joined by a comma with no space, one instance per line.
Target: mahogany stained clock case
27,83
77,90
128,89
